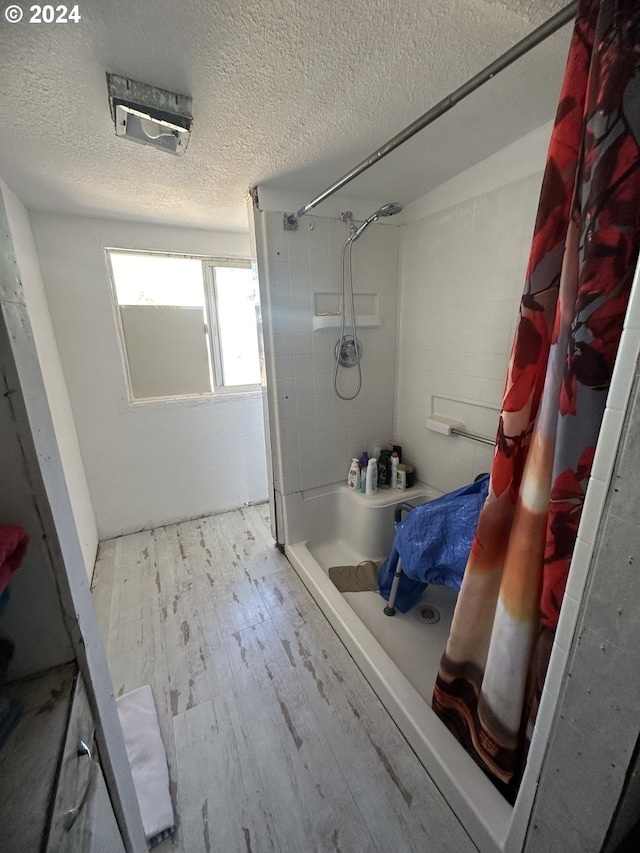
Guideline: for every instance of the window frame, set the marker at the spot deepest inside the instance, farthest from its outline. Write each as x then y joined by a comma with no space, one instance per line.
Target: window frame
212,331
213,328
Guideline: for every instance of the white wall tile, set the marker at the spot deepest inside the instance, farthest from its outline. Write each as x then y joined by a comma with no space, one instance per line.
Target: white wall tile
340,438
303,386
323,362
323,404
287,408
303,365
592,510
461,276
290,475
299,276
301,345
606,449
566,623
305,406
298,247
624,369
306,445
278,274
282,345
632,319
323,423
307,426
277,252
322,383
324,441
323,428
289,446
579,569
283,366
340,420
290,428
356,436
308,479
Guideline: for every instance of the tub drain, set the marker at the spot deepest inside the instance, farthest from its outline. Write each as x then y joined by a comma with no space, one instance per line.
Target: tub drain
429,615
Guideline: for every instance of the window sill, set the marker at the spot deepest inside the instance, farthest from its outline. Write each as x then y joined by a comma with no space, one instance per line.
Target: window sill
197,399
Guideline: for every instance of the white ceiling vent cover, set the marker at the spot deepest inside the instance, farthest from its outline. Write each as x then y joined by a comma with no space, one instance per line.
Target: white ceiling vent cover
150,115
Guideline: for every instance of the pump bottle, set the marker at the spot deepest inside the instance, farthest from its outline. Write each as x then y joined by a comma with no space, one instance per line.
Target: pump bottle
372,477
395,461
353,479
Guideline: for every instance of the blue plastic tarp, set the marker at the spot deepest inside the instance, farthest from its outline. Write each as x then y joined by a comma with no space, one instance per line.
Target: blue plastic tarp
433,544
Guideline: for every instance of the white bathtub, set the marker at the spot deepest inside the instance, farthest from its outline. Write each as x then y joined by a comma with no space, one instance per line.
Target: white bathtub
333,526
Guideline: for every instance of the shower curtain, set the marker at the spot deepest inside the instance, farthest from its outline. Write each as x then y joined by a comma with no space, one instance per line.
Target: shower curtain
581,265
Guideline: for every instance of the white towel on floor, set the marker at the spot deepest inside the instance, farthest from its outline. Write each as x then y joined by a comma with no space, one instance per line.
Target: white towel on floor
148,760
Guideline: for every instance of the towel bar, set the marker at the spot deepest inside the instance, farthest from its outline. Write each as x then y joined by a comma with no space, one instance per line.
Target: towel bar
473,436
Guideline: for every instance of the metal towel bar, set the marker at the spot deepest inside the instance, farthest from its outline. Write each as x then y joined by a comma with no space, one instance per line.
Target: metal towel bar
473,436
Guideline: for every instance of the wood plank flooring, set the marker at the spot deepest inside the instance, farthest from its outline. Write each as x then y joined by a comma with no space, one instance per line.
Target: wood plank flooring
274,739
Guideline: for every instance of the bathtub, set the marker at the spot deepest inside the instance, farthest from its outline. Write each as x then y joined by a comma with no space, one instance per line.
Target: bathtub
334,526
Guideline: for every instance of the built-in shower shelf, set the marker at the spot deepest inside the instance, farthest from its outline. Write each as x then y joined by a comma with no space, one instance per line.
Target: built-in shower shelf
334,321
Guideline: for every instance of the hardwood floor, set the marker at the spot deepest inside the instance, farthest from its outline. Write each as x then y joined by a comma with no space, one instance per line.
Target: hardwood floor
274,739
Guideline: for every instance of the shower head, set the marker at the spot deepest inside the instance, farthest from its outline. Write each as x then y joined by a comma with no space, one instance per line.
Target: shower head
389,209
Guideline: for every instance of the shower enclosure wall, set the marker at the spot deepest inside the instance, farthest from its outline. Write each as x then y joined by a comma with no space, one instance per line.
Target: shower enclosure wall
314,433
461,277
455,269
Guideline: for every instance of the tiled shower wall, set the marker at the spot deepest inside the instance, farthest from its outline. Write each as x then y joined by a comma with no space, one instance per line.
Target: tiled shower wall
461,277
314,433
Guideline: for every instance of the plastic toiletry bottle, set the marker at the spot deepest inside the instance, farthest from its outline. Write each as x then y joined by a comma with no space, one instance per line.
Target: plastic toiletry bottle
364,461
384,469
372,477
353,479
395,461
401,481
411,476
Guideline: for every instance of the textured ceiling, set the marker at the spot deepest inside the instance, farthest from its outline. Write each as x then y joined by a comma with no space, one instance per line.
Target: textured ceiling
289,93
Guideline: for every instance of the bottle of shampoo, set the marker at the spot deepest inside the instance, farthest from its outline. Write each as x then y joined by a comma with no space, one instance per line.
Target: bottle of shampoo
364,461
353,479
395,461
372,477
384,469
401,481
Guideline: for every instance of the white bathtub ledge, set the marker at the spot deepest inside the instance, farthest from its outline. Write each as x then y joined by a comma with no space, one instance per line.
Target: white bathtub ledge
479,807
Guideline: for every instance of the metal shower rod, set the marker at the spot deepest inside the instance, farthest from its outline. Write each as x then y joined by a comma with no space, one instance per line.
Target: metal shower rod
564,16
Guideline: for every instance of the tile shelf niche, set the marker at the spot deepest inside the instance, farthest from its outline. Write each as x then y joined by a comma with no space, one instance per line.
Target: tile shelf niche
327,310
333,321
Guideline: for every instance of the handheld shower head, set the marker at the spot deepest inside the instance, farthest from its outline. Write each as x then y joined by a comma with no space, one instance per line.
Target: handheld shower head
389,209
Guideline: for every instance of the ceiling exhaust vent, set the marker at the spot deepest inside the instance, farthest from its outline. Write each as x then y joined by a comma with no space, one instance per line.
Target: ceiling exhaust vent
149,115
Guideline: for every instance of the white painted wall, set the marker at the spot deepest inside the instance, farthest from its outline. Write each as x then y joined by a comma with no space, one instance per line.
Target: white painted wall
146,463
50,614
463,258
52,373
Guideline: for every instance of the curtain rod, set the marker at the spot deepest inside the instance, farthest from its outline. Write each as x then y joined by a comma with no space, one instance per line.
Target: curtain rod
564,16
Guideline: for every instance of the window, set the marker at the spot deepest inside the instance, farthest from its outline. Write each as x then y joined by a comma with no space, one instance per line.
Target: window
188,325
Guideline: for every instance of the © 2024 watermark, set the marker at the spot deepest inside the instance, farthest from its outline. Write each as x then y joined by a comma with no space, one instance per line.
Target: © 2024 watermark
47,14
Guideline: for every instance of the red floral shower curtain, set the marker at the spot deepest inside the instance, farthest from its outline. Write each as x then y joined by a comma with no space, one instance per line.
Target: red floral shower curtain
583,256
